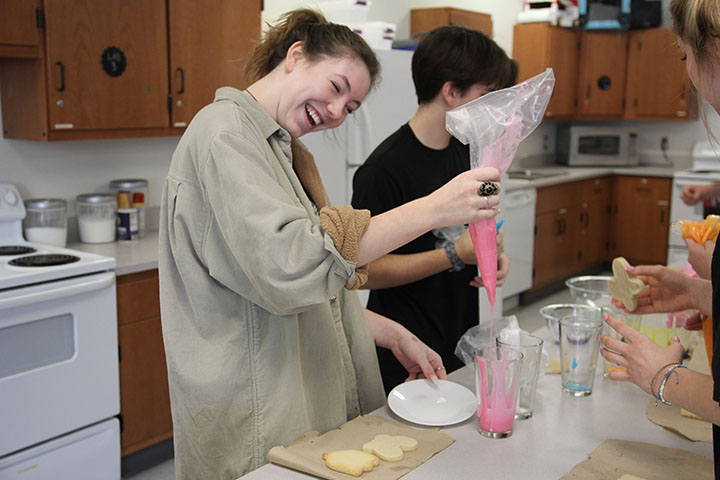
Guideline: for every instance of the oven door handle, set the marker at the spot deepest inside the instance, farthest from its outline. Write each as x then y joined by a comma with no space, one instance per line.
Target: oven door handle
107,279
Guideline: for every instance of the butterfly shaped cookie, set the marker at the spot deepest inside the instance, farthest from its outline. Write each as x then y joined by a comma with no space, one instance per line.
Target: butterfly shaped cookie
623,286
390,448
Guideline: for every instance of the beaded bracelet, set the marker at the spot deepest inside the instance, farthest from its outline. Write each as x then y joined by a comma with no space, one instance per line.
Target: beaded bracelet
652,382
661,389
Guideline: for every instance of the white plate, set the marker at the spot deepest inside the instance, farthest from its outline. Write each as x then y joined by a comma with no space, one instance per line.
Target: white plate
419,401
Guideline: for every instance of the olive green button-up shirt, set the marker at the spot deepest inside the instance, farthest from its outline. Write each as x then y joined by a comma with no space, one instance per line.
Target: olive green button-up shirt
263,343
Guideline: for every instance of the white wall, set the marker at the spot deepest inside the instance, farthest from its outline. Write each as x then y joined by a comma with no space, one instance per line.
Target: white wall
66,169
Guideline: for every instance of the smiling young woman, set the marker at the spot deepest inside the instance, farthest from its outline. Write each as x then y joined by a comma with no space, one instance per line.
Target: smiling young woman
264,334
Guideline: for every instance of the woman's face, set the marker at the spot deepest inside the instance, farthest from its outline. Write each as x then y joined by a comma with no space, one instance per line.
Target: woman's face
321,94
702,76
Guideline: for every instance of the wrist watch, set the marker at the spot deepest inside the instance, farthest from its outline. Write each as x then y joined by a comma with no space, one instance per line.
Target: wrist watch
457,264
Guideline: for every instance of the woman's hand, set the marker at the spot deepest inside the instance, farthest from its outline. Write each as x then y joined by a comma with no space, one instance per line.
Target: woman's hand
418,359
457,202
693,194
668,290
641,358
700,257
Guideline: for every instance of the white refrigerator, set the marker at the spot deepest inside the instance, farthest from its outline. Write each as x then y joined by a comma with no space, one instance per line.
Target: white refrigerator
339,152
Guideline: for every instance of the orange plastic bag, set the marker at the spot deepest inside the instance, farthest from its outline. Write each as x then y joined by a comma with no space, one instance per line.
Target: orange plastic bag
700,232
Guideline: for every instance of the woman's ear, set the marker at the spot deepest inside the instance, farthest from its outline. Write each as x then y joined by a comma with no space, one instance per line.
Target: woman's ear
294,55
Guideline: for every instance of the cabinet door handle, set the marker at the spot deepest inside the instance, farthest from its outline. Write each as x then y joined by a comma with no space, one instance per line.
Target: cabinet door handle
587,95
62,76
182,80
662,217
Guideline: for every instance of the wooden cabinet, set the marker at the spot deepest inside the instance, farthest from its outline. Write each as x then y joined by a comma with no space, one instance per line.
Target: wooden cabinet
144,395
425,19
537,46
657,82
572,229
124,68
20,22
641,207
601,80
556,252
594,221
634,75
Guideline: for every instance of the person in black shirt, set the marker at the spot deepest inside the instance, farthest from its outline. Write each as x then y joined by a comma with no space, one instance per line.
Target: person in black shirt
655,369
430,284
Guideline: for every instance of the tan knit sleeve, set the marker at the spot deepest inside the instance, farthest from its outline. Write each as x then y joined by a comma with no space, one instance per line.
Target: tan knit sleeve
345,225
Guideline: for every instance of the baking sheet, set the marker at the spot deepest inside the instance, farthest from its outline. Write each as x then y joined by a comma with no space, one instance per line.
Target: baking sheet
305,454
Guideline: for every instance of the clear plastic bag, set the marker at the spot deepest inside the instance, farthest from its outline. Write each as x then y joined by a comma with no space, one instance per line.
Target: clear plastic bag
494,125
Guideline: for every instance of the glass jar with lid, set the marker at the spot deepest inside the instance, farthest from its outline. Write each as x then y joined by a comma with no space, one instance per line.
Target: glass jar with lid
138,189
46,221
96,217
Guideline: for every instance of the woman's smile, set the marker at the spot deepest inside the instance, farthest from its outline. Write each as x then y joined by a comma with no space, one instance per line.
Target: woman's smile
313,115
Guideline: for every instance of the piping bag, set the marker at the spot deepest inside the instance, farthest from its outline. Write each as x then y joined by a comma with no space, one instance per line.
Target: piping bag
494,125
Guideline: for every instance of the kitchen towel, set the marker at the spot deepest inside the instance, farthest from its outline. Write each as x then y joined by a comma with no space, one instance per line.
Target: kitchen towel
305,453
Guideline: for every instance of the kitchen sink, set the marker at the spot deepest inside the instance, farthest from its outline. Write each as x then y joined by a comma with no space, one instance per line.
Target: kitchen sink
532,174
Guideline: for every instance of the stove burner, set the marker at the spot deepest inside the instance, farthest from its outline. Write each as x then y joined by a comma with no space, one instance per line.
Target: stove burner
15,250
43,260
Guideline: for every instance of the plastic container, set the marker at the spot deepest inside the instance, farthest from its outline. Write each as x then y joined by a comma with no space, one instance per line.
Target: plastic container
127,224
345,11
134,186
96,217
590,290
46,221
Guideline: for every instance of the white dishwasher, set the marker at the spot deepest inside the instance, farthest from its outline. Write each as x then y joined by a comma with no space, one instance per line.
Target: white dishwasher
518,210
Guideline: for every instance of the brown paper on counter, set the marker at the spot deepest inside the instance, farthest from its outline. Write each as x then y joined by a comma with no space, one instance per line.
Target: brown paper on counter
614,458
305,453
671,417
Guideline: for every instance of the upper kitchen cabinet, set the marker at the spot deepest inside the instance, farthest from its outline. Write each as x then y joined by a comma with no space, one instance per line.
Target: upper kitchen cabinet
537,46
422,20
126,68
657,82
601,80
20,25
209,41
611,75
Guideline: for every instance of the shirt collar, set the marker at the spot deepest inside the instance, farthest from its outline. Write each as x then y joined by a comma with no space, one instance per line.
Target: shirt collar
268,127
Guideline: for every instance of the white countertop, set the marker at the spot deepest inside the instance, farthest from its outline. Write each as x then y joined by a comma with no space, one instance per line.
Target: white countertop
130,257
561,433
572,174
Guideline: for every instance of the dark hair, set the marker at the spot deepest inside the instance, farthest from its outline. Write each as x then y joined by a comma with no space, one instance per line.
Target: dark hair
320,39
462,56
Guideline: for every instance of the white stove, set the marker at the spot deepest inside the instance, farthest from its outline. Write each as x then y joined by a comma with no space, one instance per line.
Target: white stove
58,357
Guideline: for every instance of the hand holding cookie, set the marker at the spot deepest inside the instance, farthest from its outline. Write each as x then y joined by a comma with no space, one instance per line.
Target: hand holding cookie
624,286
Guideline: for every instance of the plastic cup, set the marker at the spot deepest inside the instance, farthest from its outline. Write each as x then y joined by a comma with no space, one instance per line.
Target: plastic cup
531,347
497,378
579,344
633,321
662,327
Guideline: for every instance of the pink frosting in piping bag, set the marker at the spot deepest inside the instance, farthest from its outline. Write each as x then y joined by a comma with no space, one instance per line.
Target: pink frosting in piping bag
494,125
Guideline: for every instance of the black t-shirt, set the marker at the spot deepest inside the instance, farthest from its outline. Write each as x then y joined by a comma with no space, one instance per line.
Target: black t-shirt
437,309
715,276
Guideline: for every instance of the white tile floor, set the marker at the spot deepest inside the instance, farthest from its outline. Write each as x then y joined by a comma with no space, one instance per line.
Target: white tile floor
528,317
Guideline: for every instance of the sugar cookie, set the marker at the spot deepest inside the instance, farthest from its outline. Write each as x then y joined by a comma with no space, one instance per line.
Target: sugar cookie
623,286
352,462
390,448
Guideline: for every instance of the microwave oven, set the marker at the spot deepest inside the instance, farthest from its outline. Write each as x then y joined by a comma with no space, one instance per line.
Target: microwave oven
588,146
